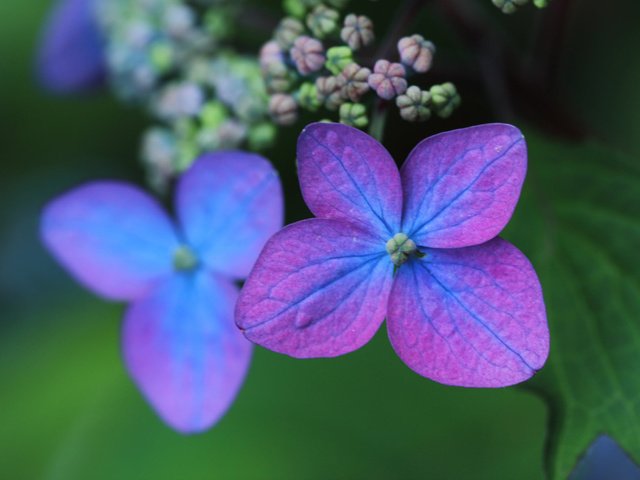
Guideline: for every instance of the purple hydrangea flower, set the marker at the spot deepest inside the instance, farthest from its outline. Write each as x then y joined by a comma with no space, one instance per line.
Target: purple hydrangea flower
179,340
71,57
418,246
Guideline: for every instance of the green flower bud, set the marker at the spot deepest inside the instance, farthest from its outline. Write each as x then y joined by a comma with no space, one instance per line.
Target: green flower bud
294,8
354,114
262,136
161,56
322,21
338,58
445,99
540,3
218,23
213,114
414,104
509,6
308,97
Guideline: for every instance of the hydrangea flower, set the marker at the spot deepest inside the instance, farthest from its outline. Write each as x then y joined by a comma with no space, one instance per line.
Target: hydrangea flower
71,57
179,340
418,246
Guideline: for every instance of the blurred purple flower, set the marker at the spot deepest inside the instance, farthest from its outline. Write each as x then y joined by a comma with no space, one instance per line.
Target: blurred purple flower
418,247
179,341
71,58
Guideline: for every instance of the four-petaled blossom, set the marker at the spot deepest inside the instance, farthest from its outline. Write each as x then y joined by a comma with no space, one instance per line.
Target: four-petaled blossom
72,57
179,342
418,246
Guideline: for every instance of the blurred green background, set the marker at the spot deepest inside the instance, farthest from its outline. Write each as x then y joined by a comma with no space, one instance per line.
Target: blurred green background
67,409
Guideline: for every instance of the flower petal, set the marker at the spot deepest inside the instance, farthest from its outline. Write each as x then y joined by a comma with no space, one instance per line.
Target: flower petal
472,317
319,289
461,187
229,204
347,175
113,237
184,352
71,57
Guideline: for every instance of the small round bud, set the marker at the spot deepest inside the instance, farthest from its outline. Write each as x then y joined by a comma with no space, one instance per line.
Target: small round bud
308,96
329,92
270,53
354,114
509,6
278,78
445,99
357,31
308,55
283,109
262,136
388,79
295,8
213,114
338,58
416,52
322,21
354,80
287,31
414,104
540,3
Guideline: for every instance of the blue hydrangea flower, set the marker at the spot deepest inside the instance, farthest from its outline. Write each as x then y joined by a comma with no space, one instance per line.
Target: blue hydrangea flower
71,57
179,340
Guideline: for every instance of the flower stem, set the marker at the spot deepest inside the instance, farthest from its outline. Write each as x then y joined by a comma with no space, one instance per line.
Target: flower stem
378,120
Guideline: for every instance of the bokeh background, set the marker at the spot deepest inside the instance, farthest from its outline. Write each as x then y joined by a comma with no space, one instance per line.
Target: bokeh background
67,408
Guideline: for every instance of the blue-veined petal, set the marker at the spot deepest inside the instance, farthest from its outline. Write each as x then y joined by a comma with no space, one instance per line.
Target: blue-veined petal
229,204
114,238
183,350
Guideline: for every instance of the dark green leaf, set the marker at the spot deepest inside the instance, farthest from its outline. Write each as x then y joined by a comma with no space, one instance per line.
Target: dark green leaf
579,222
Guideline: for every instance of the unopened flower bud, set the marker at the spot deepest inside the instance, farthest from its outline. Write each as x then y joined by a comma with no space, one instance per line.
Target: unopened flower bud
330,92
278,78
416,52
354,81
283,109
354,114
509,6
287,31
322,21
308,96
445,99
414,104
270,53
357,31
295,8
388,79
261,135
338,58
308,55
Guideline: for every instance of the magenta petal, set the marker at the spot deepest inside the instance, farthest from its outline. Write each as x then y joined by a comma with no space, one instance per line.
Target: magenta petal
461,187
319,289
472,317
347,175
71,57
229,204
113,237
184,352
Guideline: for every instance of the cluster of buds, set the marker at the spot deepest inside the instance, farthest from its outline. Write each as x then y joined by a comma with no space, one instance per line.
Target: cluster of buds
172,57
311,64
511,6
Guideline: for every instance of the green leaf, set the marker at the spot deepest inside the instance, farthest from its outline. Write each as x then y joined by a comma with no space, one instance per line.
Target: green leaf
579,223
